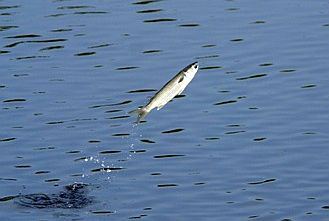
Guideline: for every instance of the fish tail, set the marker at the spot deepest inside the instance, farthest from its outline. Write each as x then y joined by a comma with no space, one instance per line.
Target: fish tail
141,113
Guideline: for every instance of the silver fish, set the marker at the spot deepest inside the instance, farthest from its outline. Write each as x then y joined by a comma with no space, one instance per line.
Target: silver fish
172,88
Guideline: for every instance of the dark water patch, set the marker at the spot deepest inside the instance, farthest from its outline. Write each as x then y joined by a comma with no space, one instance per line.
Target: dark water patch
14,44
14,100
235,132
30,57
199,183
62,30
82,159
251,77
208,56
126,68
106,169
44,148
119,117
41,172
309,86
172,131
189,25
265,64
7,198
23,166
25,36
211,138
155,174
234,125
253,217
137,151
110,152
55,122
90,12
141,91
262,182
102,212
121,103
7,139
310,133
6,14
112,111
145,2
147,141
73,152
7,27
47,40
137,217
236,39
151,51
258,22
20,75
8,179
150,11
100,46
167,185
4,52
226,102
326,25
52,180
4,7
88,53
56,80
259,139
160,20
208,45
210,67
232,9
168,156
120,135
55,15
51,48
2,86
94,141
325,207
35,41
74,196
72,7
83,119
111,105
287,70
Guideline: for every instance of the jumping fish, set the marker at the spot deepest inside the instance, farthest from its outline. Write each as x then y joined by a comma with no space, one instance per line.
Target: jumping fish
172,88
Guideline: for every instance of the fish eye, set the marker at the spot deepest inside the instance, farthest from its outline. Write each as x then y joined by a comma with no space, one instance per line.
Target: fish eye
196,66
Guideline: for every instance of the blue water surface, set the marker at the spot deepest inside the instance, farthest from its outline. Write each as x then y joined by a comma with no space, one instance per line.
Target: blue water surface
247,141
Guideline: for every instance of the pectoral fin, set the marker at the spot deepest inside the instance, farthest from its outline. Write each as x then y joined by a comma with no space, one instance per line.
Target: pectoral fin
160,106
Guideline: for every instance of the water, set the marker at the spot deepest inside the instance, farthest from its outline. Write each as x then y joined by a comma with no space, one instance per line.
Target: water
248,141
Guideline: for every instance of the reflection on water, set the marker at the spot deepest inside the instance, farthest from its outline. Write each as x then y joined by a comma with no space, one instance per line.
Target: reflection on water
247,141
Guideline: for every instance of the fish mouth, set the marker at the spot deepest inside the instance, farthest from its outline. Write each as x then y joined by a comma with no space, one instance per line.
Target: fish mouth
195,65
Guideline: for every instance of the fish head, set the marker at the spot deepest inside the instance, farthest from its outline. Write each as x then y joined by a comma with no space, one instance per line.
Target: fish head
192,69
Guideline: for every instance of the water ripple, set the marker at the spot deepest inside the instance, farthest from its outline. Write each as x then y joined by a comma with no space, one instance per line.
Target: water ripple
172,131
160,20
251,77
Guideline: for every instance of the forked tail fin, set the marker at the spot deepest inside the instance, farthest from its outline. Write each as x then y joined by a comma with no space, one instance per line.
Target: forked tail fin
140,112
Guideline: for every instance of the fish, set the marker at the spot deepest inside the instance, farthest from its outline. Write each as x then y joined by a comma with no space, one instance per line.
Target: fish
171,89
